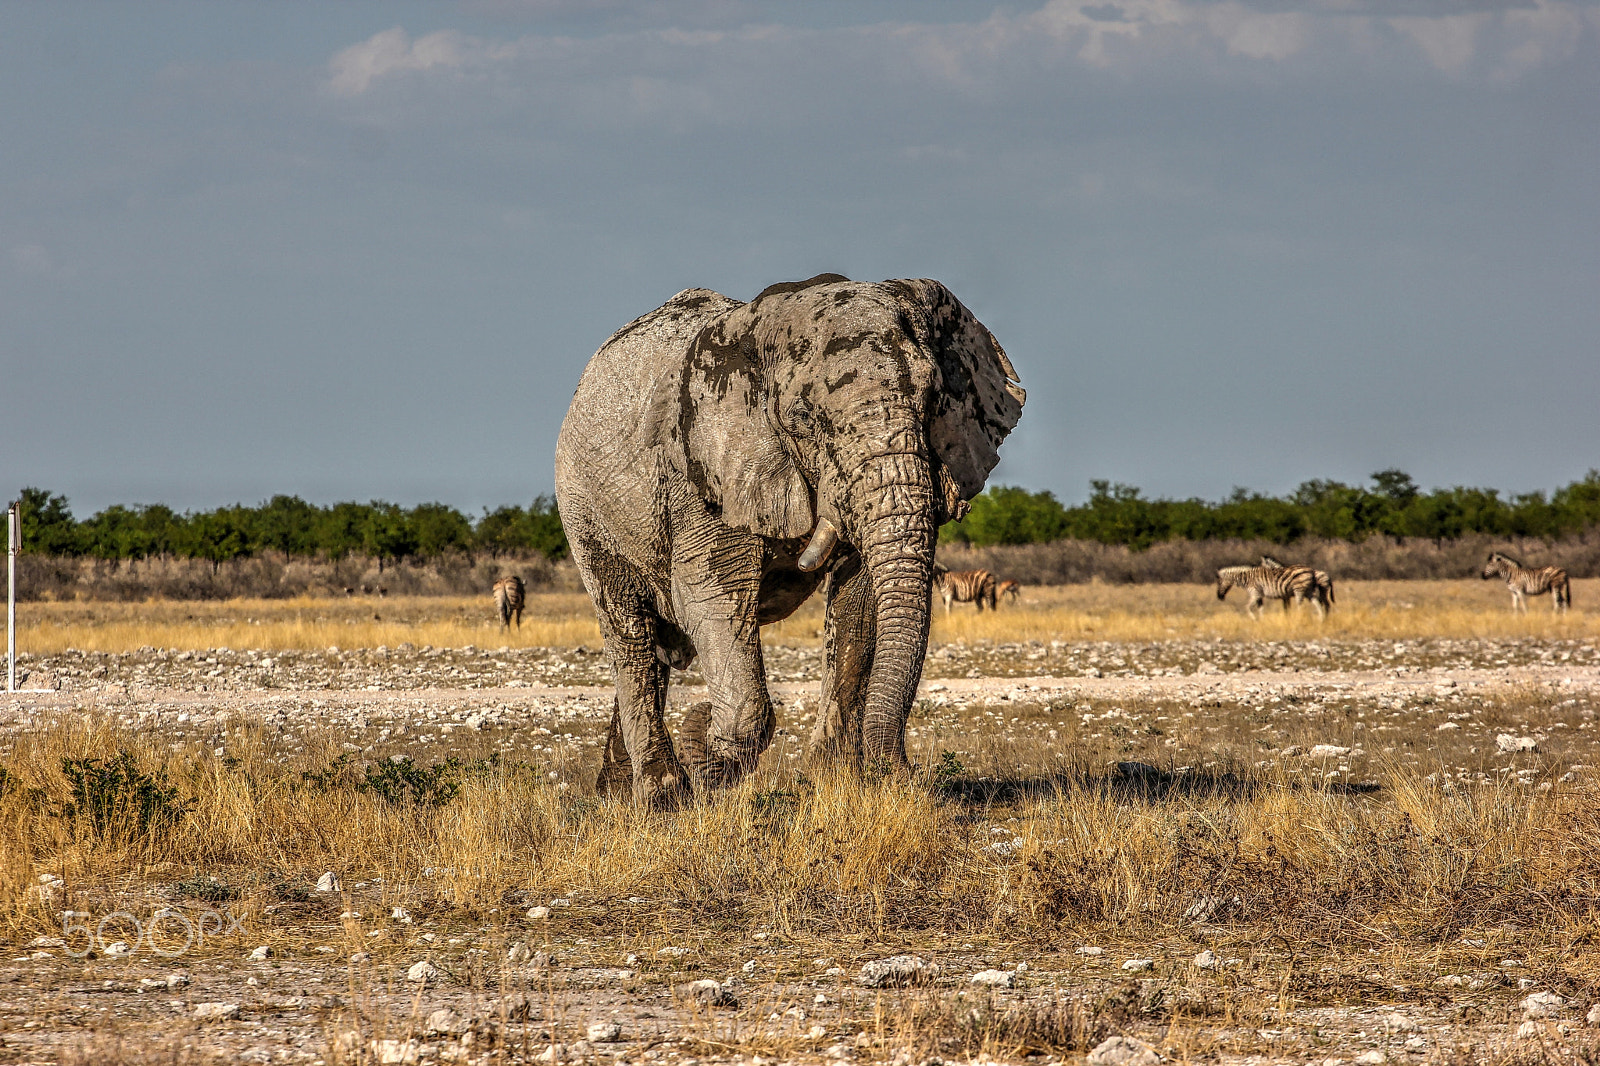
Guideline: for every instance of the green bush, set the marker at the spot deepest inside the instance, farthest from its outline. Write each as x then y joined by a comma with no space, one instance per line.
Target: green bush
118,800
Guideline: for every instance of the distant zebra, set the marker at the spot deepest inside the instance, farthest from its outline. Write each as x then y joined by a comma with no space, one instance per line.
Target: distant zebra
1008,588
509,596
1524,581
965,586
1281,583
1324,586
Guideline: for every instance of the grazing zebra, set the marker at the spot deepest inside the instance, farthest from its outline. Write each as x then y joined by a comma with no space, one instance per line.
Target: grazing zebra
965,586
1524,581
1008,588
1324,583
509,596
1281,583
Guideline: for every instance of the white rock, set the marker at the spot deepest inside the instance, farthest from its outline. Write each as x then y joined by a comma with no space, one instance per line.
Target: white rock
215,1012
1327,751
400,914
396,1051
360,957
118,948
1371,1058
898,971
328,882
833,971
47,942
1207,960
536,914
444,1020
1138,965
1123,1051
1593,1017
1528,1030
1022,967
1398,1023
177,980
993,978
709,993
1542,1005
519,954
749,967
553,1053
1090,951
816,1032
260,953
422,972
673,952
1508,744
604,1033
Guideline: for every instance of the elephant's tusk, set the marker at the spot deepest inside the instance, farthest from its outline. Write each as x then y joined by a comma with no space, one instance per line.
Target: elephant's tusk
823,538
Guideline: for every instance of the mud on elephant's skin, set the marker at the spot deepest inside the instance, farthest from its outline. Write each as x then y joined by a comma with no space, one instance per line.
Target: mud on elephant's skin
721,461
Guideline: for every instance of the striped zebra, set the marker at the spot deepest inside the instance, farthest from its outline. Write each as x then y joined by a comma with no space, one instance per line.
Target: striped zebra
1324,583
1008,588
509,596
965,586
1281,583
1526,581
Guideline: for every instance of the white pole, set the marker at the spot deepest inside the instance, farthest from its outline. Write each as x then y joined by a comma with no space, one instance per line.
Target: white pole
13,546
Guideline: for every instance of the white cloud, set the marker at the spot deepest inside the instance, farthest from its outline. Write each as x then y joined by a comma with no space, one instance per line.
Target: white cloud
1450,42
353,70
646,70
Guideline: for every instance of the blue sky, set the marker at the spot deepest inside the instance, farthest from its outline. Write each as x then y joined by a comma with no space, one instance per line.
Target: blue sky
363,250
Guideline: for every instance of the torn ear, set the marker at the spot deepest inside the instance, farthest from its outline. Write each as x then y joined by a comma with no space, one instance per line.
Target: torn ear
734,455
979,398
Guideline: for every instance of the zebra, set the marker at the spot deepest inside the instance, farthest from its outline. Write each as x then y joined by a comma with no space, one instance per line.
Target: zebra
1525,581
1281,583
509,596
1008,588
965,586
1323,590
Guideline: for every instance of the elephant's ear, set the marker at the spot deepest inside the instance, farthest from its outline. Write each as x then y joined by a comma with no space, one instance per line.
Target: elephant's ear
980,398
733,454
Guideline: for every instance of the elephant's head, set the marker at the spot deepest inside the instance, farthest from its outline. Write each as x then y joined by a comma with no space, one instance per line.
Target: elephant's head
869,414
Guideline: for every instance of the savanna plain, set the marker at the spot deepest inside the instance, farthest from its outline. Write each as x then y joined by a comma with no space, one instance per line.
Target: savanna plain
1142,828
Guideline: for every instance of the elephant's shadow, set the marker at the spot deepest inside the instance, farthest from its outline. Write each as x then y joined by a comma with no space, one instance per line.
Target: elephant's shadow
1131,783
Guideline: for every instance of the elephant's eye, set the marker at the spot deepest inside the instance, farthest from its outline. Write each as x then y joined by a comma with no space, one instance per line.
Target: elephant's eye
799,417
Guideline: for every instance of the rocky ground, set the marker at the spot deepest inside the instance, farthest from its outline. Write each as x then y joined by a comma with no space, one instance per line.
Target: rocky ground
331,972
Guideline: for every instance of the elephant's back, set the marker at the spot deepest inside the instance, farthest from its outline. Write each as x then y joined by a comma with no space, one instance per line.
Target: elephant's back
607,423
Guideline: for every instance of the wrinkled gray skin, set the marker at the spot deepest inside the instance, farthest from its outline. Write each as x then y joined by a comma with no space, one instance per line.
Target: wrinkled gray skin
710,443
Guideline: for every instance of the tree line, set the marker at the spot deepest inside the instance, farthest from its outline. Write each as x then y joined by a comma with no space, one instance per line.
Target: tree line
1116,514
1391,505
287,525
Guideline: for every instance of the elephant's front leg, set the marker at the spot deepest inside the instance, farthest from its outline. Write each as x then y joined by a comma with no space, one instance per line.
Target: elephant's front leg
716,599
850,635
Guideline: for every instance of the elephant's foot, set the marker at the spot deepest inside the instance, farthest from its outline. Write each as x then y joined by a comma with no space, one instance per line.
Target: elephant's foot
713,764
615,779
831,752
662,788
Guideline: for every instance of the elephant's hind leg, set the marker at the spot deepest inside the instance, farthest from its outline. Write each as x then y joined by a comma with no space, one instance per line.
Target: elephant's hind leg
639,721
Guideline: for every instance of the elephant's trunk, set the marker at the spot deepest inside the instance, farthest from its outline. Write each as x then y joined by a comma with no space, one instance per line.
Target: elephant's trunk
896,538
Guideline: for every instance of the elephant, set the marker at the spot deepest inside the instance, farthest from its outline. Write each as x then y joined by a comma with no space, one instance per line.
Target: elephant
721,461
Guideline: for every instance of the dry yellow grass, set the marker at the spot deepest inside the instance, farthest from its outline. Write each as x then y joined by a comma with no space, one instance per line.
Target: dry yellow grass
837,855
1373,609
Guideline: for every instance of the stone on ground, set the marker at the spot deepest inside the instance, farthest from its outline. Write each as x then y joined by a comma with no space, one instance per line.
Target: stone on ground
993,978
897,971
215,1012
1124,1051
